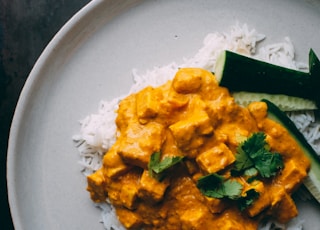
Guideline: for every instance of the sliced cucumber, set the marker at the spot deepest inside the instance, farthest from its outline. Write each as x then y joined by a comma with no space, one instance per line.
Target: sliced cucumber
242,73
284,102
312,182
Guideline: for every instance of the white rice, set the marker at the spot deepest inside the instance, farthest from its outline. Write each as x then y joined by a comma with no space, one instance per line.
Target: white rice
98,131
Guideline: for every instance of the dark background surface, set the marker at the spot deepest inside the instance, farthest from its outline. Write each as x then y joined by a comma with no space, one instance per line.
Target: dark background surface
26,27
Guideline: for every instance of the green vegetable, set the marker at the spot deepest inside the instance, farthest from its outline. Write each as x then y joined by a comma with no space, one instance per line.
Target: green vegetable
243,161
253,159
312,182
254,152
284,102
248,199
267,163
251,172
214,185
241,73
157,167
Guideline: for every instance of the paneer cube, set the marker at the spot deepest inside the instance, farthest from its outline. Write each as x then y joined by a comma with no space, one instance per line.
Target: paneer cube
229,223
140,141
258,110
128,195
188,132
292,175
126,112
215,159
113,164
284,208
202,123
260,204
169,148
96,186
113,196
191,166
129,219
193,218
215,205
177,100
183,132
150,189
147,103
221,109
188,80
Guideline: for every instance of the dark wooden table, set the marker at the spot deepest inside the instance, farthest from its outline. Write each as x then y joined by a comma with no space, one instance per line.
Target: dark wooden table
26,27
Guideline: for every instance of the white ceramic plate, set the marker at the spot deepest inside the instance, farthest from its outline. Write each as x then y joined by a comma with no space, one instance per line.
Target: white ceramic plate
91,58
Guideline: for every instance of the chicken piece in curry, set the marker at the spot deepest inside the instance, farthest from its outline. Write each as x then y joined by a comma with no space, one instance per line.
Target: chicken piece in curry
196,125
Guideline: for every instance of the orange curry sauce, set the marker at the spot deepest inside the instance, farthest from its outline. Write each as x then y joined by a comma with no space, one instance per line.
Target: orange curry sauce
192,116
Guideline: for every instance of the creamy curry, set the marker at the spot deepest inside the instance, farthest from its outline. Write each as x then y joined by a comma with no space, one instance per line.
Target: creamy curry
192,117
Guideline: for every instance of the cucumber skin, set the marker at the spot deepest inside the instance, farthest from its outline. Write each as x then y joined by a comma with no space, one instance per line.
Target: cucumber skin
312,182
314,66
284,102
248,74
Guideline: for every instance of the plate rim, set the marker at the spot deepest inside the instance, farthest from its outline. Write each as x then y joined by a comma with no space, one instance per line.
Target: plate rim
25,95
23,99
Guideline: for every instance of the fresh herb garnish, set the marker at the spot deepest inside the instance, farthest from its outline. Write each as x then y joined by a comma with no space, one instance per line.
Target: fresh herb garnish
214,185
255,152
253,161
268,164
242,161
251,174
157,167
245,201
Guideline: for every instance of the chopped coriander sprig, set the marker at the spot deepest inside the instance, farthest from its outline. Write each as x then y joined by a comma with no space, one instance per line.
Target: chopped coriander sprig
157,168
253,160
255,153
216,186
245,201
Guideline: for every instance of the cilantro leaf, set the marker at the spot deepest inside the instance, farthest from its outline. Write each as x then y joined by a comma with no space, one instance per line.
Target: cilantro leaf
211,185
268,164
254,143
242,161
214,185
157,167
253,160
232,189
247,200
251,174
166,163
154,160
255,152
